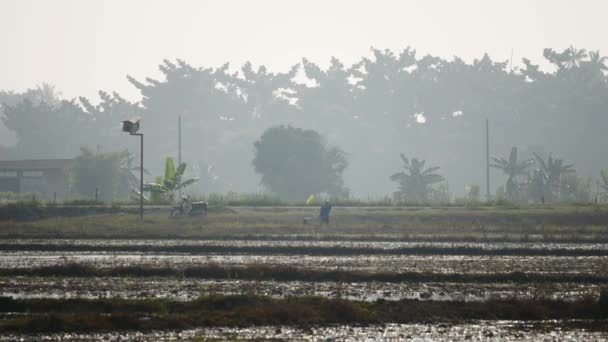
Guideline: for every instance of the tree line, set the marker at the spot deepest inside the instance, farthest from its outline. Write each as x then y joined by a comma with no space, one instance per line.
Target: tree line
383,105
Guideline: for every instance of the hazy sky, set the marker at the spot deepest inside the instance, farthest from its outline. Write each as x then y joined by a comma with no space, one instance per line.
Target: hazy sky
82,46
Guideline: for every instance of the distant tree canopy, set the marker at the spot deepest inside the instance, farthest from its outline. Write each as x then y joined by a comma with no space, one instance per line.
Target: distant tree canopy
295,163
373,109
43,93
47,126
109,173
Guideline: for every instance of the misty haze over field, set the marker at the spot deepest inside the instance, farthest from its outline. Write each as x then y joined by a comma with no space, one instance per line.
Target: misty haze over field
375,79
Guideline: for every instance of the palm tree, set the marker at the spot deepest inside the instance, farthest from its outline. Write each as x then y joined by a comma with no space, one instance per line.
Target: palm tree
415,181
512,168
604,184
550,173
576,57
559,59
597,62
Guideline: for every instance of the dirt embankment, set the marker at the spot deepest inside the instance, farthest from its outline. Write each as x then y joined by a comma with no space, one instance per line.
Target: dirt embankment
297,250
559,224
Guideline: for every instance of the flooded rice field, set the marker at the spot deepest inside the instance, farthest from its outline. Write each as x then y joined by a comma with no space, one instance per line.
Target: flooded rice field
188,289
370,263
472,331
474,258
185,288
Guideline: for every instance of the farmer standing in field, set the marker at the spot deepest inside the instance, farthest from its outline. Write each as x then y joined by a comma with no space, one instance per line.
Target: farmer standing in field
324,212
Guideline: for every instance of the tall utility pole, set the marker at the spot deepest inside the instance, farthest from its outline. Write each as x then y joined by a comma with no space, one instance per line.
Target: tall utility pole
487,160
179,140
141,175
179,146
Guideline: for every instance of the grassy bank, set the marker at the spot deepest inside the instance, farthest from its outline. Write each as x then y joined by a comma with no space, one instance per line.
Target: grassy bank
288,273
464,224
55,315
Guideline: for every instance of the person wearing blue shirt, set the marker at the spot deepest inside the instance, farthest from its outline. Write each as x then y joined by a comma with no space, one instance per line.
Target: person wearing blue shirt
324,212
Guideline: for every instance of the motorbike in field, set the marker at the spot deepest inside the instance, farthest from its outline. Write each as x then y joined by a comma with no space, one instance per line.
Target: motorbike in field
187,208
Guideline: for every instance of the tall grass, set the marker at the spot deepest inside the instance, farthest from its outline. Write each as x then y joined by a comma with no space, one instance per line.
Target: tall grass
265,200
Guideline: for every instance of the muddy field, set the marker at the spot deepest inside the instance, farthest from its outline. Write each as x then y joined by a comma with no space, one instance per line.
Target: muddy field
572,253
188,289
477,331
368,263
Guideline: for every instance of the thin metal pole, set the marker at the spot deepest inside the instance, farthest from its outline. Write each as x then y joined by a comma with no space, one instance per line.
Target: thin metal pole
179,147
487,160
141,179
141,175
179,139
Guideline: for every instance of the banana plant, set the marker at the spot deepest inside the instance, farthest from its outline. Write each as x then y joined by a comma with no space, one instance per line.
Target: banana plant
549,174
512,168
172,182
415,180
604,184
